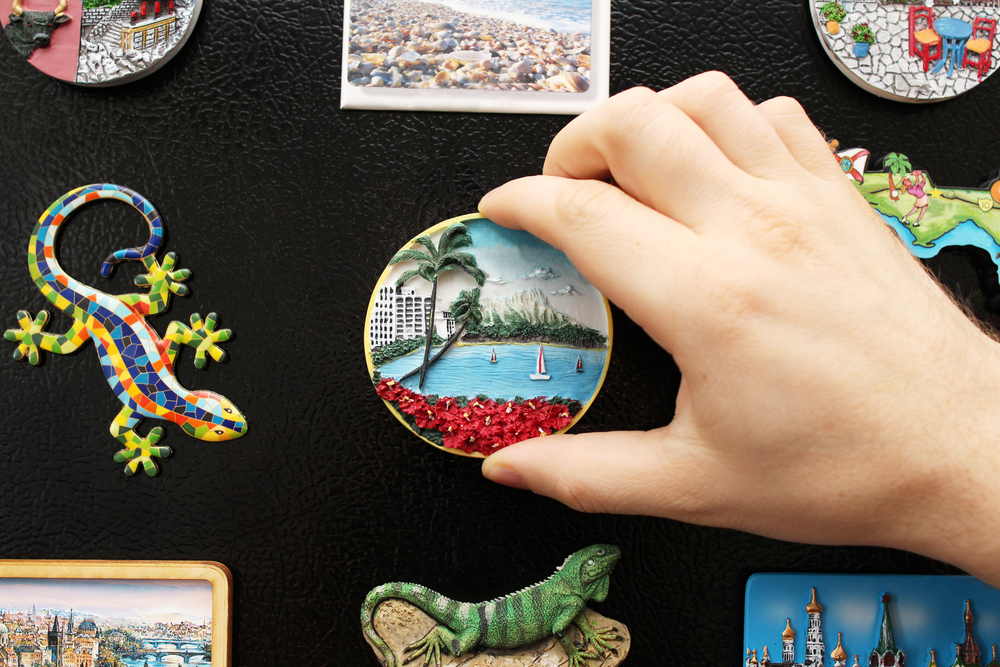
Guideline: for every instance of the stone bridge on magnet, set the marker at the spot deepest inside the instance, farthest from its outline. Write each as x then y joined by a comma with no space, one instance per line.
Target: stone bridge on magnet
159,648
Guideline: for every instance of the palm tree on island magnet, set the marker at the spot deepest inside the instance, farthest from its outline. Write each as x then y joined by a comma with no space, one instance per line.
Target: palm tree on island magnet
431,264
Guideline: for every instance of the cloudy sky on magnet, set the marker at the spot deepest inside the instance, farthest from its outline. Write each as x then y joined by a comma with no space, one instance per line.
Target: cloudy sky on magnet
110,598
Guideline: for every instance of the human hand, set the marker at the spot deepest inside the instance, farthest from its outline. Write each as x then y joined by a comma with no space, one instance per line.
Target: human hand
831,392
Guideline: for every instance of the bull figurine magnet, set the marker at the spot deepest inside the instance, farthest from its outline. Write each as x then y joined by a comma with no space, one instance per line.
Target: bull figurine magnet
29,30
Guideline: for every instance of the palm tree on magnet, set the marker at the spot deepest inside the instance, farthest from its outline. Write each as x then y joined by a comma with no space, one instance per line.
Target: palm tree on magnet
431,264
899,166
466,310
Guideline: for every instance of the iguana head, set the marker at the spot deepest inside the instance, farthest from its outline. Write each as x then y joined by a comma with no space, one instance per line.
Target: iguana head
595,564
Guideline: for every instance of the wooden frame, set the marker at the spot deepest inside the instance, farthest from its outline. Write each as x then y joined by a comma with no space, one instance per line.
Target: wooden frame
165,572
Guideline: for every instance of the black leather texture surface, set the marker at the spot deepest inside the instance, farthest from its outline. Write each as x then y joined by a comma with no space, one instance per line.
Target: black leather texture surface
287,209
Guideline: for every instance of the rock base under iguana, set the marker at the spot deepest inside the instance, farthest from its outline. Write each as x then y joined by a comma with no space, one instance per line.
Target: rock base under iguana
400,624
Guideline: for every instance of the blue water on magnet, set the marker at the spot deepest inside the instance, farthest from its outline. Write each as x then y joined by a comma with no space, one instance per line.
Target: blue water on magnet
965,233
467,371
572,16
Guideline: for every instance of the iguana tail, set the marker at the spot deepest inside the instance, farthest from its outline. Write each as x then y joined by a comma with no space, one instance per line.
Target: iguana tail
442,609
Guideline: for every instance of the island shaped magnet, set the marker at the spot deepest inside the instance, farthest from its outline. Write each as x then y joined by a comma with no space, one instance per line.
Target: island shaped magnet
519,341
98,42
910,51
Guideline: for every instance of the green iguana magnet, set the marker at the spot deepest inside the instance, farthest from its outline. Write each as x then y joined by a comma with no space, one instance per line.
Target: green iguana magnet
513,621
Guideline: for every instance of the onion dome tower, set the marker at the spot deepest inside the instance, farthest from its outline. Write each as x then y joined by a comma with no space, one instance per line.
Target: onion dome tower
993,662
933,662
886,654
766,660
788,643
814,634
753,660
969,649
958,657
839,655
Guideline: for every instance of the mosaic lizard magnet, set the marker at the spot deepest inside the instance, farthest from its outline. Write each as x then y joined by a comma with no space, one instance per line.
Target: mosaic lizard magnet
408,623
137,363
927,217
880,620
99,42
910,52
481,336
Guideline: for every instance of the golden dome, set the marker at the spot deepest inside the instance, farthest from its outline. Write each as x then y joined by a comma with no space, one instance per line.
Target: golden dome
766,656
788,633
968,612
814,607
753,660
839,654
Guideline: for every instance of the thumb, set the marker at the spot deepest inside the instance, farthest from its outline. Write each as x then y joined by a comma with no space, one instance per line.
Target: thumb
624,472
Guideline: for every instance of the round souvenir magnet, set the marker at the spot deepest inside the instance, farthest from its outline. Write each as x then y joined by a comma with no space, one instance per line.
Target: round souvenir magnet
910,52
481,336
98,42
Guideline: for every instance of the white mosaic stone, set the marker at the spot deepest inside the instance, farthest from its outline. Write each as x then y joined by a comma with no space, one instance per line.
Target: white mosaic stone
889,70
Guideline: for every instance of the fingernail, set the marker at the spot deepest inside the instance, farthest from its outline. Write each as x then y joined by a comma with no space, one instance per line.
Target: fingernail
504,476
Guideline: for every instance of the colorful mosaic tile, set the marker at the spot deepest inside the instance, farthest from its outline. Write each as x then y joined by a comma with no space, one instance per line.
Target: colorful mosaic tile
926,216
99,42
910,51
137,363
519,341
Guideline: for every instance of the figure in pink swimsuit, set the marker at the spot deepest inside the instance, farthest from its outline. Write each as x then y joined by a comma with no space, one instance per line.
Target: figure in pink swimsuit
914,185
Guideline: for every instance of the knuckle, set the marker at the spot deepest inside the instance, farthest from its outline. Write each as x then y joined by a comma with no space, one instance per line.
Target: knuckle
630,113
585,203
786,106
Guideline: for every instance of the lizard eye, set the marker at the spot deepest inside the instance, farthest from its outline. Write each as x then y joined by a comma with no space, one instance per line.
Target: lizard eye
220,432
590,562
600,552
228,410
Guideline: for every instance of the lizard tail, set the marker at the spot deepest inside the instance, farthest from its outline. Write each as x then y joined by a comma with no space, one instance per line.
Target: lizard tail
45,270
435,605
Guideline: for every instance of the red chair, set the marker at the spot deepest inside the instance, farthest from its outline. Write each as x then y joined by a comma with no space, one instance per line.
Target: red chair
924,40
979,49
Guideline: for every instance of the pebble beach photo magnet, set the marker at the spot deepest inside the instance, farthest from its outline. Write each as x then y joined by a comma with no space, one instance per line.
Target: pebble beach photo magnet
98,42
910,51
504,56
519,341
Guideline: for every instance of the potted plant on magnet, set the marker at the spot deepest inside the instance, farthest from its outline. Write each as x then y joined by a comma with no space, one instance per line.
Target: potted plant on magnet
834,13
863,37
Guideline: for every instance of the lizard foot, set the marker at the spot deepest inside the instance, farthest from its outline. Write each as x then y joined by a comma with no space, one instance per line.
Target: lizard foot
601,639
28,337
143,451
579,658
205,337
202,336
161,280
429,647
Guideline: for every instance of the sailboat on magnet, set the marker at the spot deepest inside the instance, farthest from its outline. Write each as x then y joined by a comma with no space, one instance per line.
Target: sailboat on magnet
540,373
493,356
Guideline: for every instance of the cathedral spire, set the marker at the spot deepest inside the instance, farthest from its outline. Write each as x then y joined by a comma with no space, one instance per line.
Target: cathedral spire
886,643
